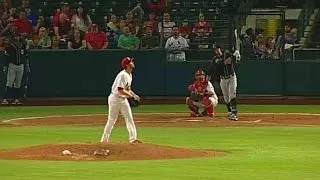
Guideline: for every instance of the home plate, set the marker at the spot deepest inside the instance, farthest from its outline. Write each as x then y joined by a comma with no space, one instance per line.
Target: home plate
194,120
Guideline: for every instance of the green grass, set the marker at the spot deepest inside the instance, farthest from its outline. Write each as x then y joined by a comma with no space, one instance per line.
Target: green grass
256,153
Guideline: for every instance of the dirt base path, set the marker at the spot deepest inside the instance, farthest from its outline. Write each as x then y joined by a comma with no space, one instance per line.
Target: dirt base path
176,120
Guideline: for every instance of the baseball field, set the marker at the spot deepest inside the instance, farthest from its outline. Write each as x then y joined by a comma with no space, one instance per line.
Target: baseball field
268,142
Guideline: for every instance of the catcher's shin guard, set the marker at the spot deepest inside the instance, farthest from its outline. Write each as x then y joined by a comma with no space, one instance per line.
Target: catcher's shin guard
194,109
209,106
233,106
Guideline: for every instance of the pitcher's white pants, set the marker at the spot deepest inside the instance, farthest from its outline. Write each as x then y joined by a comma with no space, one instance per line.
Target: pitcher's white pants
116,105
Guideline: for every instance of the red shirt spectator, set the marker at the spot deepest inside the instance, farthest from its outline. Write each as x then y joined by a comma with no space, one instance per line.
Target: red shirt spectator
23,25
185,30
96,39
63,28
157,7
152,22
202,28
64,10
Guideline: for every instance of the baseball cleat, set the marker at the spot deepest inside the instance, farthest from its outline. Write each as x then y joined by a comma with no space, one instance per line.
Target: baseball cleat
233,117
4,102
16,102
193,114
136,142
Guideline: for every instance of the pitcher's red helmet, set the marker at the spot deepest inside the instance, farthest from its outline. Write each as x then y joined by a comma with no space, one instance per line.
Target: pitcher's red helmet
126,61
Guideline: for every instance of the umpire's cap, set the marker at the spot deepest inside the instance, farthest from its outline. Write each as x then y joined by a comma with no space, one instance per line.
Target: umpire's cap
126,61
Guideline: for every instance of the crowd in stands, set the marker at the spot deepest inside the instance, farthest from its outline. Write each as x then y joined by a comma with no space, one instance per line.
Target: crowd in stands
73,27
256,46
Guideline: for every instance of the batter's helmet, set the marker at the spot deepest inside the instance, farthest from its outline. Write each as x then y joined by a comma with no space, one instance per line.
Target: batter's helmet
126,61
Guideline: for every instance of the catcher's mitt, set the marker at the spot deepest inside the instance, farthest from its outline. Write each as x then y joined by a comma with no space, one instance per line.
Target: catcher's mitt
196,96
133,102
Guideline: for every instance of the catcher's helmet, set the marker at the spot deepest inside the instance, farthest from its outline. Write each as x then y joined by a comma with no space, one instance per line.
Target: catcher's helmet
199,72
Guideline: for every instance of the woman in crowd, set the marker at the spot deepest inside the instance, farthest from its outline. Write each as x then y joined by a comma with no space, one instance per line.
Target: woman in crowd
77,41
81,20
44,38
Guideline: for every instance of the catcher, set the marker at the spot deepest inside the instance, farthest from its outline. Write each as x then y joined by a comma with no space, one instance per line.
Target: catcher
203,98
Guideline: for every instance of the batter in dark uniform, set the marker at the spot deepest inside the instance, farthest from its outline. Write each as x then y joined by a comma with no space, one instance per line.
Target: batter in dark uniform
15,60
223,67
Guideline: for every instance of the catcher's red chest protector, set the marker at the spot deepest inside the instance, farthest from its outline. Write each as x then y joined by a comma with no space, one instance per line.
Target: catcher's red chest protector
200,87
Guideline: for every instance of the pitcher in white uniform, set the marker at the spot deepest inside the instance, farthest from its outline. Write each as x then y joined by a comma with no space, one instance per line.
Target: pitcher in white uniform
117,100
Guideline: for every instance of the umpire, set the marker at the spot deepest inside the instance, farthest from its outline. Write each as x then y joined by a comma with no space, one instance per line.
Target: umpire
16,57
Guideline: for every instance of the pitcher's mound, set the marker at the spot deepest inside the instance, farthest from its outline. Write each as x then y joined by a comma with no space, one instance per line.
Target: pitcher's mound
116,152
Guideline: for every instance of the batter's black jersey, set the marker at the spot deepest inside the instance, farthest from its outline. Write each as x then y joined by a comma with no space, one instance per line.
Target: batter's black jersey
218,69
16,53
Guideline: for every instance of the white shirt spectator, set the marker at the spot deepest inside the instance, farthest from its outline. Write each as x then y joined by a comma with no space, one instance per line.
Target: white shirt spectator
176,46
167,28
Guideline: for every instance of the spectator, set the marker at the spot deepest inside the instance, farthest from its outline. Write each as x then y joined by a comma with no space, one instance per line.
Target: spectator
77,41
4,26
55,43
260,46
122,24
247,48
288,35
64,10
2,46
81,20
6,6
127,40
96,39
23,25
156,6
25,6
185,30
138,11
63,27
270,48
133,26
112,27
202,27
176,46
33,43
153,23
40,23
279,43
12,14
148,41
44,39
166,26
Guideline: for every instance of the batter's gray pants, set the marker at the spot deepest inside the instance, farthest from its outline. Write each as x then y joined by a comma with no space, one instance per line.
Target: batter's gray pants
14,77
229,88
